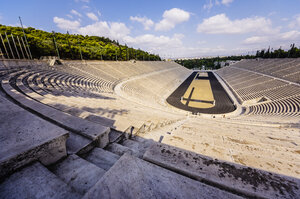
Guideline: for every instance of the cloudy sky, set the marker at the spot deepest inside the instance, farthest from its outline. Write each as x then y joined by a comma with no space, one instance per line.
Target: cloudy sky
170,28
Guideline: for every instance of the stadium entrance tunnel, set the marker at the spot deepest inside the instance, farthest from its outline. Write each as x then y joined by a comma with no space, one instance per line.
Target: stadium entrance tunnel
201,92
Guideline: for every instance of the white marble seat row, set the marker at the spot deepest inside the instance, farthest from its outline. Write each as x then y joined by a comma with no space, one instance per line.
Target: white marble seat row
260,80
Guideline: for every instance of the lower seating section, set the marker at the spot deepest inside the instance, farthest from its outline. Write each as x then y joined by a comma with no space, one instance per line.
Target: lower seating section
284,107
24,136
269,94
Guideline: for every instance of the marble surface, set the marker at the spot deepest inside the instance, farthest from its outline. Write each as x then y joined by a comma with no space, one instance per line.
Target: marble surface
228,176
132,177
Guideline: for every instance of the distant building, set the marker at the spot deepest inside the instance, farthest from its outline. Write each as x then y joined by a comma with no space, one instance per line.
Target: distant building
225,63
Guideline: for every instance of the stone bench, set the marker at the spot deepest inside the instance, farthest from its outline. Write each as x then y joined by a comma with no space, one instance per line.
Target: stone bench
24,138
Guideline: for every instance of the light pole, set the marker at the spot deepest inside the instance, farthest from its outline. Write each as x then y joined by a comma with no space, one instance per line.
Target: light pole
79,49
20,47
25,37
101,52
15,45
116,55
4,47
55,45
12,53
25,48
69,44
1,54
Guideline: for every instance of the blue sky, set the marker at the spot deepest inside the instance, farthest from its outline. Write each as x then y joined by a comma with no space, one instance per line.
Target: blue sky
171,28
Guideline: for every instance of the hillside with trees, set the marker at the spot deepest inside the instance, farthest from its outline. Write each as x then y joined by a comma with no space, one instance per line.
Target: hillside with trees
42,43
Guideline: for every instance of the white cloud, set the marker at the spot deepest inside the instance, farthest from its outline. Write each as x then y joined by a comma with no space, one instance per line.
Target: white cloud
272,13
164,45
296,22
70,16
209,5
84,1
66,24
287,37
201,42
171,18
74,12
155,42
221,24
226,2
147,23
290,36
256,40
113,30
212,3
92,16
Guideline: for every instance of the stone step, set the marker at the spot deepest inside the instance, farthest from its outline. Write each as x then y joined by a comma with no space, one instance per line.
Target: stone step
120,149
78,173
93,131
101,158
35,181
25,137
131,177
115,136
236,178
137,146
78,144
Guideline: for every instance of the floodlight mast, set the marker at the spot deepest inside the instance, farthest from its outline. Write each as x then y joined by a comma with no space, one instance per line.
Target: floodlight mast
15,46
69,44
4,47
25,38
55,45
116,56
12,53
21,47
2,55
79,48
101,51
25,48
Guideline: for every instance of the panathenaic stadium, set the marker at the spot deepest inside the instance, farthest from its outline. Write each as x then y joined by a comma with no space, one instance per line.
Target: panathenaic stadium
149,129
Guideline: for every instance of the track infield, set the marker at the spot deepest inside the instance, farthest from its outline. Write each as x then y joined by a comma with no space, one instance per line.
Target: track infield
201,93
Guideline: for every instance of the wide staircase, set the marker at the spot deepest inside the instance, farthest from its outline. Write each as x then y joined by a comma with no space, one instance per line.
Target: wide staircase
52,151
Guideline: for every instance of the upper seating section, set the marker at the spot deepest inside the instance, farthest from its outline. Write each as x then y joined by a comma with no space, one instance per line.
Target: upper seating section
153,89
276,80
287,69
249,85
114,72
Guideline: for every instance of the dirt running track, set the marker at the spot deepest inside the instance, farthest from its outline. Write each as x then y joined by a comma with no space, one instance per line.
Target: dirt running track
223,103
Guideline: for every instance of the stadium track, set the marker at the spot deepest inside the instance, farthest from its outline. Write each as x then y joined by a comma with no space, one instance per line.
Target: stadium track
223,103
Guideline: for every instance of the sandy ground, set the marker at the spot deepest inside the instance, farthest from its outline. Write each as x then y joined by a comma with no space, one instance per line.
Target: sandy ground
201,91
268,148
